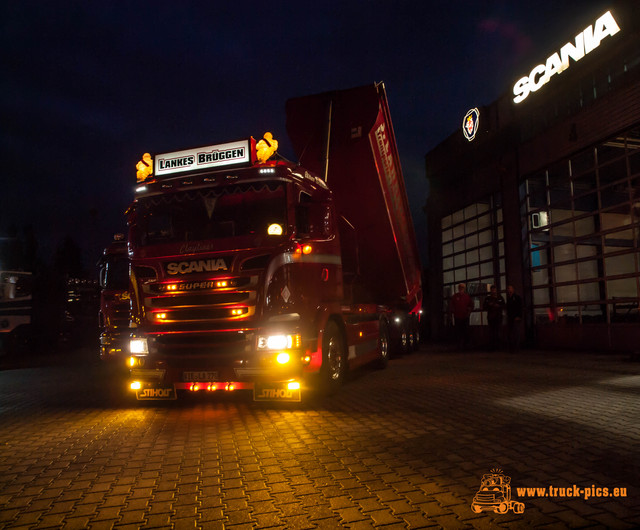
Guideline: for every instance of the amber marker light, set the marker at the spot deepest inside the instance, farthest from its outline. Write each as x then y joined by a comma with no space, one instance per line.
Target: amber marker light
306,249
222,283
161,316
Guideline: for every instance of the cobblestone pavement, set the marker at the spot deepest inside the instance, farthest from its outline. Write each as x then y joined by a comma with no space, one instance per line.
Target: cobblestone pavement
401,448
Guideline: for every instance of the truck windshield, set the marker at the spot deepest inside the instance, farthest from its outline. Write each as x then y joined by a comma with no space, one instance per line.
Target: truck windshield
114,274
214,213
15,285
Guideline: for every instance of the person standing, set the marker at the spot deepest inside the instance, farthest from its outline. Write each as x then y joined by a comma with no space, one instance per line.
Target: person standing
461,307
494,306
514,319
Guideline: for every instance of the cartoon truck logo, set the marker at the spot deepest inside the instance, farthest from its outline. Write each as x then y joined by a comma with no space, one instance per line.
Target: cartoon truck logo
495,494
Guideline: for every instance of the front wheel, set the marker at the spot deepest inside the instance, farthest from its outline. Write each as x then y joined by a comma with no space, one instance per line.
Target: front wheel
334,359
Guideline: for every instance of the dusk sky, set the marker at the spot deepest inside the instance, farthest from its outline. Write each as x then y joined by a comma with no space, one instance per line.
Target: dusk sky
87,87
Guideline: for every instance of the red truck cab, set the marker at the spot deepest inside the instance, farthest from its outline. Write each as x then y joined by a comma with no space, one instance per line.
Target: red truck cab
237,282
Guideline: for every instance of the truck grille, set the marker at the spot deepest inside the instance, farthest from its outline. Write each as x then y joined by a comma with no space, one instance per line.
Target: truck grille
200,302
219,345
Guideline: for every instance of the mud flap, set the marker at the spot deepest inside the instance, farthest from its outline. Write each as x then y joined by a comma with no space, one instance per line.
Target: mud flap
156,392
275,392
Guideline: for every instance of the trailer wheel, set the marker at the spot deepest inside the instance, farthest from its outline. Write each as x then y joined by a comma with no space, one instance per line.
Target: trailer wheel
416,336
411,339
400,342
334,361
383,344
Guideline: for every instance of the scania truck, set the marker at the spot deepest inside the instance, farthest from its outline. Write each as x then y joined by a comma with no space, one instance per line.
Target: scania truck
252,272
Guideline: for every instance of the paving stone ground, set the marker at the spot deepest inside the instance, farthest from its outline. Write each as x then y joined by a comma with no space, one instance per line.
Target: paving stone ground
401,448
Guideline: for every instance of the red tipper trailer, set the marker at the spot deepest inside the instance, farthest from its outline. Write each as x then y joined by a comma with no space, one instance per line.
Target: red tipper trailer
347,137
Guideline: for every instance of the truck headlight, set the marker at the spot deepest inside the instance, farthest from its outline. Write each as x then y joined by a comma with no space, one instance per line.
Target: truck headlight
138,346
278,342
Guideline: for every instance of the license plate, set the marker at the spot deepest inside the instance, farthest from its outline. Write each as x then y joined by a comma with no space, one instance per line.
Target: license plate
275,392
156,392
199,377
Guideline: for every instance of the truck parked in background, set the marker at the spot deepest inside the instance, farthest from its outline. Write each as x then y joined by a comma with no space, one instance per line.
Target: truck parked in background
113,317
252,272
16,306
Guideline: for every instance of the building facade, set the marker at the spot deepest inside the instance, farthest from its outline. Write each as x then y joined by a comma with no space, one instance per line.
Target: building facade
542,192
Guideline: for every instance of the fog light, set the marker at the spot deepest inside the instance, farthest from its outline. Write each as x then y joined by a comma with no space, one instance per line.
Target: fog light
294,385
135,385
283,358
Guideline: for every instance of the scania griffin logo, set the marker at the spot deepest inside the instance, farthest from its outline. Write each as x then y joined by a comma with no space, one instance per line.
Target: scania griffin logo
202,265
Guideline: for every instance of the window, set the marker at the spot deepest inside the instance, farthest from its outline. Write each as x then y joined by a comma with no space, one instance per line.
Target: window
473,252
583,234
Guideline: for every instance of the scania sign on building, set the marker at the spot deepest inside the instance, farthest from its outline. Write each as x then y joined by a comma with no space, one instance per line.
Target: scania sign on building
213,156
585,42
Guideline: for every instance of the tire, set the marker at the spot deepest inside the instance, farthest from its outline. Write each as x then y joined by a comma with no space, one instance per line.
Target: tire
399,342
334,359
384,345
416,336
411,339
